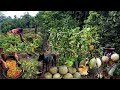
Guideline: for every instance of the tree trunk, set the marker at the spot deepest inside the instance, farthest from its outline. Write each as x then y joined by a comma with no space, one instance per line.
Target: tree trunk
45,42
35,29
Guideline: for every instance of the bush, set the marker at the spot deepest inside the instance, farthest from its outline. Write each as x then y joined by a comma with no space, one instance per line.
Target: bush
30,68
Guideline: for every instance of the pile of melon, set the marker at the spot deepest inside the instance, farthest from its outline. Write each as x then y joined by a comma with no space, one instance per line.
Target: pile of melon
62,72
114,57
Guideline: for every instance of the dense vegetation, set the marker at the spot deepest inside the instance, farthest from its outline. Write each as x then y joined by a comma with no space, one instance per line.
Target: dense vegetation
70,33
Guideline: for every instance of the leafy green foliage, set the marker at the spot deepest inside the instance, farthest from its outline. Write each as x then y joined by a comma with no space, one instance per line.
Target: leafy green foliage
64,43
72,43
30,68
65,37
108,24
12,43
54,19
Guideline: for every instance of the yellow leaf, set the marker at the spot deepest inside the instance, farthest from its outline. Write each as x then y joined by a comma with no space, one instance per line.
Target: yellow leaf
83,70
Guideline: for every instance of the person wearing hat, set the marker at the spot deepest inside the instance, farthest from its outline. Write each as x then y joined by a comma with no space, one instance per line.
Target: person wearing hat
111,65
109,50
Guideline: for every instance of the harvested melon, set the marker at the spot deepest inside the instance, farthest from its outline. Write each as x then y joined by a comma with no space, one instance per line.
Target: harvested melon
53,70
77,75
115,57
92,63
95,62
63,70
98,62
71,70
57,76
48,75
68,76
105,58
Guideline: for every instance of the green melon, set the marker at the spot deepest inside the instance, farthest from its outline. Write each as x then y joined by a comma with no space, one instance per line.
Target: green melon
105,58
77,75
63,69
53,70
92,63
57,76
68,76
48,75
115,57
71,70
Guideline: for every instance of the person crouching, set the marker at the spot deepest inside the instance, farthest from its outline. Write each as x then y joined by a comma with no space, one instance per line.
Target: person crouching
111,64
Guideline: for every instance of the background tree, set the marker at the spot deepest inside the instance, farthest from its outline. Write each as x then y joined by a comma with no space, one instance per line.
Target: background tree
108,23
